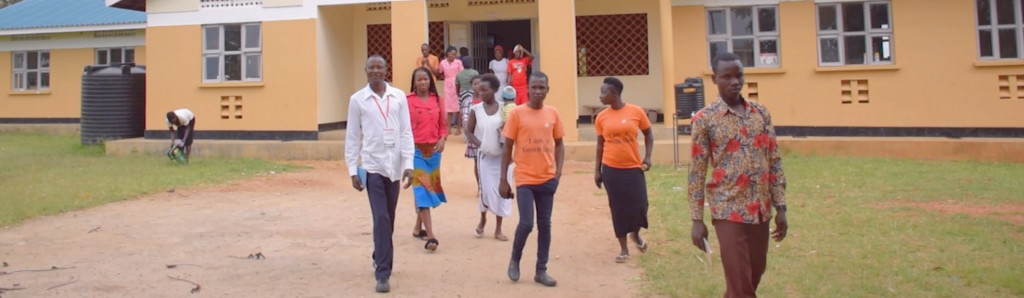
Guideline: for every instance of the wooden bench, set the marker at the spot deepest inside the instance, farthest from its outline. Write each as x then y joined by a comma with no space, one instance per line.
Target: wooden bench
652,113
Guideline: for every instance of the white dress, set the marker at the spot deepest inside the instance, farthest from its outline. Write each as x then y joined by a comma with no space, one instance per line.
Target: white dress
500,68
488,131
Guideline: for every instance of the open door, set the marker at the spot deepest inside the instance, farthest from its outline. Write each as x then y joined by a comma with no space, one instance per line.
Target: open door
480,51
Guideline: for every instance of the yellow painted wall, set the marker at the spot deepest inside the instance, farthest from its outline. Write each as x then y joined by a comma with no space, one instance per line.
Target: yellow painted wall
335,62
159,6
557,21
646,90
63,100
360,18
285,101
936,84
281,3
140,55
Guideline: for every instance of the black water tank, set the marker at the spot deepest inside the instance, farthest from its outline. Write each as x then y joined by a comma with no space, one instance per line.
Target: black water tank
113,102
689,97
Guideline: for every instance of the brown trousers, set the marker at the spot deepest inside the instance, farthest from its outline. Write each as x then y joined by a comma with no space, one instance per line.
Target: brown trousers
744,251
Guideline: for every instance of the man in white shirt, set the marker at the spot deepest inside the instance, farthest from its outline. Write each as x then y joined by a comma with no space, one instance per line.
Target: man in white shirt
185,122
380,135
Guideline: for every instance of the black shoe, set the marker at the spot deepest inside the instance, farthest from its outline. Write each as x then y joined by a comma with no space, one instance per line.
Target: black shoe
544,279
513,271
383,286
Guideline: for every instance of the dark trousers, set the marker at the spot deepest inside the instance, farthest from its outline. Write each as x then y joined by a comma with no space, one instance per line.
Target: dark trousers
543,197
744,249
383,200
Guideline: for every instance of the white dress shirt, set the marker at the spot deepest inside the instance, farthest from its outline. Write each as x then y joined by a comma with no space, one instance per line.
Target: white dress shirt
364,138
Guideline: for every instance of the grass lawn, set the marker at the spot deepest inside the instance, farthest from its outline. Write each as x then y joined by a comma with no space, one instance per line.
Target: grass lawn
43,174
863,228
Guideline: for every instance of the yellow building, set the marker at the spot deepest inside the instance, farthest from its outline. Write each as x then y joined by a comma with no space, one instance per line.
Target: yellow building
46,44
284,69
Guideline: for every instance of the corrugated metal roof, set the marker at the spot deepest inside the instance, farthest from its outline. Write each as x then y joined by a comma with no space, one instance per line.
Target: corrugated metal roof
65,13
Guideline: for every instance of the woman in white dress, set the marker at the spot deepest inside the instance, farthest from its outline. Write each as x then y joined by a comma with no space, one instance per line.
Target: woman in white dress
499,67
484,130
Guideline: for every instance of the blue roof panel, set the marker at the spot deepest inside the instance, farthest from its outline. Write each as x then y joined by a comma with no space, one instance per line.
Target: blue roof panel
30,14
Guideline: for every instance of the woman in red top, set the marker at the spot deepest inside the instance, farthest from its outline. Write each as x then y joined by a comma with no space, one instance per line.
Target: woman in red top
518,76
429,132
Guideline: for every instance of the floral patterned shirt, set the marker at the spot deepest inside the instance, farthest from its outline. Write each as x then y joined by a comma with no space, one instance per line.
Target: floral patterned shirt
747,177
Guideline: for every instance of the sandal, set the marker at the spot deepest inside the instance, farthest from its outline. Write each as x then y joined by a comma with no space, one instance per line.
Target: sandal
642,246
500,237
621,259
479,232
431,245
422,235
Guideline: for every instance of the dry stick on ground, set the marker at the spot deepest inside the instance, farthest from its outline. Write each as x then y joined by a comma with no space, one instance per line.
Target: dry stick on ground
37,270
61,285
172,266
257,256
93,230
194,290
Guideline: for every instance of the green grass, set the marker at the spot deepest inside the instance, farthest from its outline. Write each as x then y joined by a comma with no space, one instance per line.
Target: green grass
841,244
42,175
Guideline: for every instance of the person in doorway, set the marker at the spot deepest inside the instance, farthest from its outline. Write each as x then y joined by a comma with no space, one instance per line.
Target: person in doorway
465,58
382,140
618,160
737,138
429,132
450,68
535,133
428,60
517,70
182,125
499,67
484,131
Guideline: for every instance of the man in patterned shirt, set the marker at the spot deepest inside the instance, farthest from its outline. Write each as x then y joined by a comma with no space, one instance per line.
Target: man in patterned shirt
736,136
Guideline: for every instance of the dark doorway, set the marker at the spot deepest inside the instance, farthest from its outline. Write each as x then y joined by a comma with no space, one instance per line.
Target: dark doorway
507,34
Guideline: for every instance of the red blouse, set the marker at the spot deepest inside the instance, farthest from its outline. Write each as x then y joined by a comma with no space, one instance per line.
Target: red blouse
427,117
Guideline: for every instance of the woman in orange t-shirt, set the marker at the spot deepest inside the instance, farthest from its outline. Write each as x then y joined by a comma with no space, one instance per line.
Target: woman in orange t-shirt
618,161
517,70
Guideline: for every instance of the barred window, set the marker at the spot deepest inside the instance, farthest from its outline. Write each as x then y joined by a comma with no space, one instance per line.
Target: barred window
855,33
750,32
378,42
612,45
232,53
31,70
107,56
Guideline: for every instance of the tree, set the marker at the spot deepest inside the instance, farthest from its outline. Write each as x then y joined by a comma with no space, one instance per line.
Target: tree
6,3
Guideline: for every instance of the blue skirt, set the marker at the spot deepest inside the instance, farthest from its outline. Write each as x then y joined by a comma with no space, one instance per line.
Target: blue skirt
426,177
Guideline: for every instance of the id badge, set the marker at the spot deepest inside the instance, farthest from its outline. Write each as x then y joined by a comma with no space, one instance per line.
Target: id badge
390,135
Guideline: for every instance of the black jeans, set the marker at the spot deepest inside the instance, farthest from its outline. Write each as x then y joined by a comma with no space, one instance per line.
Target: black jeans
383,195
543,196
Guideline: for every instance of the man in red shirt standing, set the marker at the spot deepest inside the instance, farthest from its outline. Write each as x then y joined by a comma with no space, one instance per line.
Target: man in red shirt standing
737,138
518,78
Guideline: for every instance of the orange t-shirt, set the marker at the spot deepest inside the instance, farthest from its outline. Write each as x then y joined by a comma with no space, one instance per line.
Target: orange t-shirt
534,132
619,129
432,60
517,68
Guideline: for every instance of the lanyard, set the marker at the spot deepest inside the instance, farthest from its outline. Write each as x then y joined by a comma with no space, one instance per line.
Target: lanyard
383,112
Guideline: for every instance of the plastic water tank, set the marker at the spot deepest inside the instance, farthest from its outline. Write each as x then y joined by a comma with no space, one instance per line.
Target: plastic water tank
689,97
113,102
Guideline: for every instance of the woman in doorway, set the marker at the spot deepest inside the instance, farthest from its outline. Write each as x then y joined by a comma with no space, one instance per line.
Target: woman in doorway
450,68
518,76
499,67
429,134
484,131
618,160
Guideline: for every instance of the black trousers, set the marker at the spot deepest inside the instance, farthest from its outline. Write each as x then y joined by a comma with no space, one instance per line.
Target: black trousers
191,128
543,197
383,195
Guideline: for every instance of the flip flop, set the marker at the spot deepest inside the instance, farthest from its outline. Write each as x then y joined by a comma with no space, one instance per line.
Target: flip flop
422,235
431,245
501,237
621,259
642,246
479,233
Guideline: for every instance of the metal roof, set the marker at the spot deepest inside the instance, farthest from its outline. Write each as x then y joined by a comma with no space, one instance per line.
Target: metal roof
30,14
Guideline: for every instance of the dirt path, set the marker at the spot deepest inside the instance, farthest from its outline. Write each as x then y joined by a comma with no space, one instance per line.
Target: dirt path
315,233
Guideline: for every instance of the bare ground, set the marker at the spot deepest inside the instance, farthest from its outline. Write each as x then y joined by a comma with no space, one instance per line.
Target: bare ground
314,230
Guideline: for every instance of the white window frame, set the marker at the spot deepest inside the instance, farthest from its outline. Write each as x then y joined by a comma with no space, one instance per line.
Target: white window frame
243,52
124,54
23,70
868,33
757,36
994,27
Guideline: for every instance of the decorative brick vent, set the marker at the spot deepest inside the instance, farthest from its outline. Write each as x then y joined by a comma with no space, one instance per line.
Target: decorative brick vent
230,107
1011,87
378,42
752,93
499,2
229,3
375,6
854,91
612,45
27,37
113,33
437,3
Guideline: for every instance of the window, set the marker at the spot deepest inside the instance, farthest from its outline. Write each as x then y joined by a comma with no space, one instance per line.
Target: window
612,45
855,33
750,32
115,55
1000,24
232,53
31,70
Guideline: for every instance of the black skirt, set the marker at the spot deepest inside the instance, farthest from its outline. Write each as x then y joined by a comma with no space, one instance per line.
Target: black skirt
627,198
